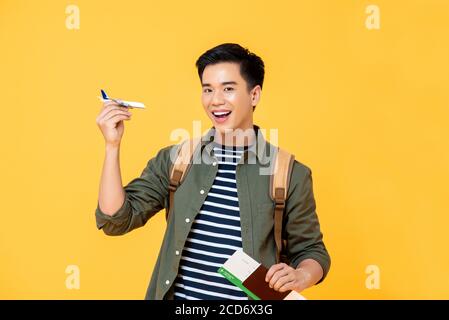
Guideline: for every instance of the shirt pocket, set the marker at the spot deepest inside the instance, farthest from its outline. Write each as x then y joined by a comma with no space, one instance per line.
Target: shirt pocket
265,221
265,208
263,233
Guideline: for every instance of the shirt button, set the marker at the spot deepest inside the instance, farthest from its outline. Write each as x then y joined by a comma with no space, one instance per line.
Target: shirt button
177,252
202,191
187,220
214,163
167,282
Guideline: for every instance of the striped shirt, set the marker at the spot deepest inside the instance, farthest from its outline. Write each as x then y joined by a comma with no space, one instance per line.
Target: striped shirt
215,235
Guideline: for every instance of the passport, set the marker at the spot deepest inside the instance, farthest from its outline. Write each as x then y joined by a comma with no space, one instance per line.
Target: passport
249,275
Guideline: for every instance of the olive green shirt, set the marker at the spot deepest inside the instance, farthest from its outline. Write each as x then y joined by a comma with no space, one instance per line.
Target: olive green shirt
148,194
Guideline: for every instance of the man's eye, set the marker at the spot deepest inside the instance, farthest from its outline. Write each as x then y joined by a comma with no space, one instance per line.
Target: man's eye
207,90
229,89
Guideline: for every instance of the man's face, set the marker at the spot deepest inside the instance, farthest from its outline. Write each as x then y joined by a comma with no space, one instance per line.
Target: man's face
226,98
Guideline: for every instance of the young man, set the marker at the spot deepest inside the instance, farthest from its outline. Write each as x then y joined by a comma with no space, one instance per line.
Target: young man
223,204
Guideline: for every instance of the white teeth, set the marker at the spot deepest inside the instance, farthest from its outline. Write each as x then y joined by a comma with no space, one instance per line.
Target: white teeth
221,113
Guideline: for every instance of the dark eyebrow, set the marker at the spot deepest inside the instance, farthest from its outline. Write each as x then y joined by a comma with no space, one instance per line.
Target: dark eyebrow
223,83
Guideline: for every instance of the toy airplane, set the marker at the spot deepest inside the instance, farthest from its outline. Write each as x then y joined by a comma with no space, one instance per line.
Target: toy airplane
128,104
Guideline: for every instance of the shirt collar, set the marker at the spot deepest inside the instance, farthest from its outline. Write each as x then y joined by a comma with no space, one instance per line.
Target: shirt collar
261,149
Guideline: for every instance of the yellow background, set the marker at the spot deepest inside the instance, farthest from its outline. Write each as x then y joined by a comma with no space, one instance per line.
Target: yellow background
367,110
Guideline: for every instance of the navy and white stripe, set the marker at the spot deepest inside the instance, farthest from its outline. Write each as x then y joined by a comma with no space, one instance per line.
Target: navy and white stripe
215,235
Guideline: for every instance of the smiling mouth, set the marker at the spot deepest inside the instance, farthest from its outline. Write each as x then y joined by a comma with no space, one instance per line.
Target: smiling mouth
221,114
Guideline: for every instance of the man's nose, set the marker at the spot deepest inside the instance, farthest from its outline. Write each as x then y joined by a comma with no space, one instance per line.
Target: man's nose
217,99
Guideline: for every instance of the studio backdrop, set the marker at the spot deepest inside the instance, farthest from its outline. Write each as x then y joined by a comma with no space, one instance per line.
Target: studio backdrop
357,90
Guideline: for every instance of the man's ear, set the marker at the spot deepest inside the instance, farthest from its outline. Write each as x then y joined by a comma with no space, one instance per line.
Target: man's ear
255,95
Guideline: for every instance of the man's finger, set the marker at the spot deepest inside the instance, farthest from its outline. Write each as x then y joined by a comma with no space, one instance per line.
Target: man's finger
287,286
283,280
273,269
277,275
109,109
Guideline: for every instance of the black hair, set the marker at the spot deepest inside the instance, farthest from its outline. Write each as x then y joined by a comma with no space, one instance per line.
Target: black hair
252,68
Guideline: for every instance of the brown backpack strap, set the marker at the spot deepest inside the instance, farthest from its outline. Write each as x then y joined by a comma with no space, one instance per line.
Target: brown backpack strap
181,165
279,188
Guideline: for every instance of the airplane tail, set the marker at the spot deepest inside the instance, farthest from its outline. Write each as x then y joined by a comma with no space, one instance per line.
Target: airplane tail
104,95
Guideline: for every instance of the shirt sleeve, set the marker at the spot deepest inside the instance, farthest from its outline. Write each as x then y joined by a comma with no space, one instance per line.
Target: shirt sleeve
144,197
302,227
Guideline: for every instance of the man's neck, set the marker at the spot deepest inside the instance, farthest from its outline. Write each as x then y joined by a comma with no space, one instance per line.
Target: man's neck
236,137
